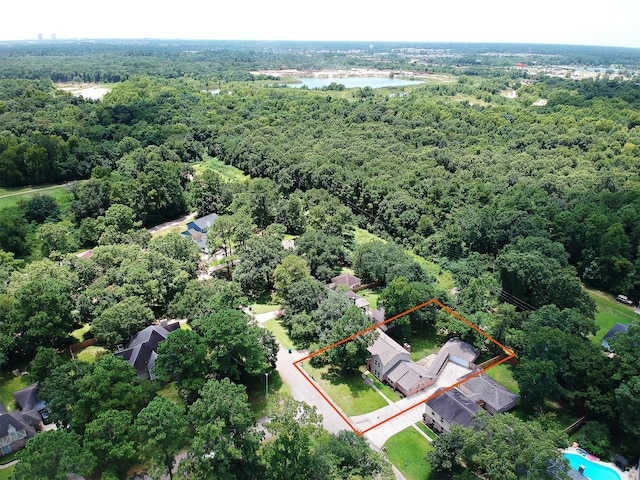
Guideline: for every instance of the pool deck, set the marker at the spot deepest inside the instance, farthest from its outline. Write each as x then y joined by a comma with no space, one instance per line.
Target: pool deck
578,451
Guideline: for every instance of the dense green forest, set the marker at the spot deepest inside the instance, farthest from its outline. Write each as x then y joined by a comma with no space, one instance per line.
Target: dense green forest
522,198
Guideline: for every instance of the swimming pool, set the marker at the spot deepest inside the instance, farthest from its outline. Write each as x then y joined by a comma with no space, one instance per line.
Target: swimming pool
593,470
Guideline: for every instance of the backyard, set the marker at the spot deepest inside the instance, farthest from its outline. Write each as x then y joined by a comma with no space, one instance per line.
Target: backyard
609,312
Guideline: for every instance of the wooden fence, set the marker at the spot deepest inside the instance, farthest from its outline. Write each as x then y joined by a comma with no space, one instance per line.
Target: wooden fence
80,345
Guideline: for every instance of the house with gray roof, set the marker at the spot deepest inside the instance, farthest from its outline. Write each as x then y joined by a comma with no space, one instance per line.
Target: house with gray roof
449,407
408,378
488,393
29,403
385,354
16,428
142,349
617,328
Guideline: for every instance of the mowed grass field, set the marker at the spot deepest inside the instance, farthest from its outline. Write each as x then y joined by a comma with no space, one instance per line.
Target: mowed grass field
609,312
9,197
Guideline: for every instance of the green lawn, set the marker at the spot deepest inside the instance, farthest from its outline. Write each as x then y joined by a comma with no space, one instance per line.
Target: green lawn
371,295
258,308
503,373
422,343
275,327
609,313
348,391
90,354
5,473
170,392
9,384
79,333
362,236
386,390
426,430
61,193
406,450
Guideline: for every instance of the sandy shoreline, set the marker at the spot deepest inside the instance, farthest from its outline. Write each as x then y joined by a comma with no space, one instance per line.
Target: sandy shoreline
86,90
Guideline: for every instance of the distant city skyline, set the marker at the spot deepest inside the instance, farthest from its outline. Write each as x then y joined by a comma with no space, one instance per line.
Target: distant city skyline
614,23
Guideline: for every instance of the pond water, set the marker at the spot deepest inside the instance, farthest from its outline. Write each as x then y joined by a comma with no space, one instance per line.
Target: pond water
354,82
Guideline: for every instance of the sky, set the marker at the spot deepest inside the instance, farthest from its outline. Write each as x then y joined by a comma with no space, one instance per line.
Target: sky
609,23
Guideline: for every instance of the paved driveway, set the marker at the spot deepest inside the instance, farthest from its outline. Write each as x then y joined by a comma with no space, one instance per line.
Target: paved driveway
379,435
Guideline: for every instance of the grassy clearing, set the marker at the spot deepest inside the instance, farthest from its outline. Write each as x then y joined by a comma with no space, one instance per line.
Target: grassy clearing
406,450
275,327
170,392
259,308
348,391
61,193
362,236
609,312
228,172
90,354
503,373
9,383
79,333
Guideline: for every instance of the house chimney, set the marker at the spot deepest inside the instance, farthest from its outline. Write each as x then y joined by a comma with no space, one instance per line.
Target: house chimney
407,347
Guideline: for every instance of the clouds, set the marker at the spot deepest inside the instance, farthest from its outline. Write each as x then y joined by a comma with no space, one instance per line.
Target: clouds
546,21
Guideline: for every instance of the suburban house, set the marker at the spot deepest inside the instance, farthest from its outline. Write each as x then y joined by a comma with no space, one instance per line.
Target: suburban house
344,280
15,429
617,328
20,425
142,349
197,230
488,393
29,402
408,378
458,405
391,363
385,355
449,407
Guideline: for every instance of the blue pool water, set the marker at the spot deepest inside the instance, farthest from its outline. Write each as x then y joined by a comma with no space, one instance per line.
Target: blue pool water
594,471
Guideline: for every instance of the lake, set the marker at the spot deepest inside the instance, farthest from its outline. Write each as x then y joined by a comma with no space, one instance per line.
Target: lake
354,82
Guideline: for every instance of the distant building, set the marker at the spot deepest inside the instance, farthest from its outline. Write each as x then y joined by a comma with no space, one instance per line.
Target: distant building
197,230
617,328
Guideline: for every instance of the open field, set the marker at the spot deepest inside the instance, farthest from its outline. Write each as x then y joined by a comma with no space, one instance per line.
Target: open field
228,172
406,450
9,197
348,391
609,312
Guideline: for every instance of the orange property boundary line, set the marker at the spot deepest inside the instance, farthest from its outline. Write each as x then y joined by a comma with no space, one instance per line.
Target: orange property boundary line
510,354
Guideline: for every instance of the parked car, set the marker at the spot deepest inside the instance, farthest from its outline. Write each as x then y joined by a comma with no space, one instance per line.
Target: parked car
624,299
